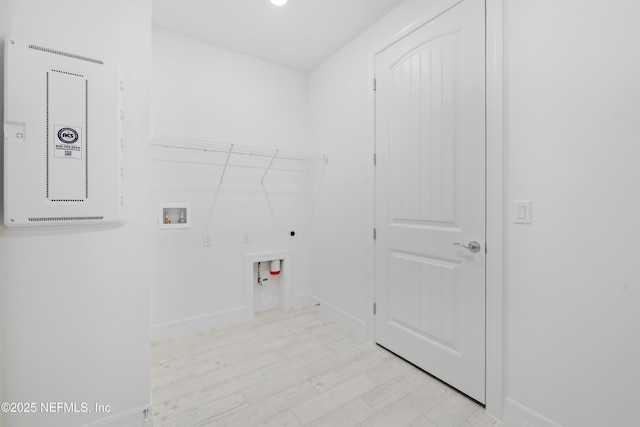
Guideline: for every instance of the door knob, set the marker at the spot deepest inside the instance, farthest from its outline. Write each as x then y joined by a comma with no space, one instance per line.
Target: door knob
473,246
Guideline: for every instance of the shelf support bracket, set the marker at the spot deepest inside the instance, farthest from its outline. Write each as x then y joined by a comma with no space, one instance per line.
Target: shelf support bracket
269,167
225,165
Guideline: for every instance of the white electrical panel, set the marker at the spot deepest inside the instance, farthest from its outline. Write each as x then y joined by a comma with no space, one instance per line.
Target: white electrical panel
62,138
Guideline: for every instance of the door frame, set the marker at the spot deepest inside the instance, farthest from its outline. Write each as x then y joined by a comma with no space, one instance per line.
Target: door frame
495,181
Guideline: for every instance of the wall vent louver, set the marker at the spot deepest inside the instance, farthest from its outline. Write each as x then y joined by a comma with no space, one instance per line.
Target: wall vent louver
67,218
47,146
67,72
70,55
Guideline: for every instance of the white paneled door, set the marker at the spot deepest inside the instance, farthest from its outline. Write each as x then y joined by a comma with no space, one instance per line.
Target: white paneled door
430,197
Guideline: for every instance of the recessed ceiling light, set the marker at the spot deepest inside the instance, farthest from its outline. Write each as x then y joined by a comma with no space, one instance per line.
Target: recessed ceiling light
279,2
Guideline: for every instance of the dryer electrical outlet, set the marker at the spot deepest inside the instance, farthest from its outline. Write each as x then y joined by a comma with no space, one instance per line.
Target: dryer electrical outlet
62,138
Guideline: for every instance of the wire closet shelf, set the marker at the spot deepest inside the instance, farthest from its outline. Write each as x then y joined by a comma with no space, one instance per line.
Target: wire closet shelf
234,160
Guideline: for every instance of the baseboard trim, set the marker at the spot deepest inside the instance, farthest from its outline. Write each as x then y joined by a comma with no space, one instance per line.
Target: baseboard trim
517,415
196,323
302,300
353,323
131,418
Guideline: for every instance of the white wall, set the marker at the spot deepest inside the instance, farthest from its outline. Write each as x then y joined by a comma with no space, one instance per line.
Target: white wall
573,287
572,293
204,92
81,334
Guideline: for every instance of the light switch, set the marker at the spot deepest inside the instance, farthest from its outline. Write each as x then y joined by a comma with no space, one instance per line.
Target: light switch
522,212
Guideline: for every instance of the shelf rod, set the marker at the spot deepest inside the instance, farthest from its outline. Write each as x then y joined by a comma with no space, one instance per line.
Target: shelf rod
246,148
226,163
181,147
269,167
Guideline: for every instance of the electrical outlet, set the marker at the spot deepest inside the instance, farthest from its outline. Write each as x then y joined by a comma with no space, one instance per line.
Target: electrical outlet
206,240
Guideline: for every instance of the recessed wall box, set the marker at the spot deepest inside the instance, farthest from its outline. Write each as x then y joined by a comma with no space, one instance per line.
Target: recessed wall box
174,215
62,132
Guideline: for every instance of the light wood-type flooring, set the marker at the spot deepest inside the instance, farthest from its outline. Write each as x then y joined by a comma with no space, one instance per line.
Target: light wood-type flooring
296,368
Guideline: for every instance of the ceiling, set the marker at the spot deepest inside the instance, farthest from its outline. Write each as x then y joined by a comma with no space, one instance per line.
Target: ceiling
300,34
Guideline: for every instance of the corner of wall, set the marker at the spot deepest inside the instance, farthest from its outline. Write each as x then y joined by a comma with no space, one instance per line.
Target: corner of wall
351,322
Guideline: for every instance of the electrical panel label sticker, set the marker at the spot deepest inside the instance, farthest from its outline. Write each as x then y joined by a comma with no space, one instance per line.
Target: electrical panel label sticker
68,142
